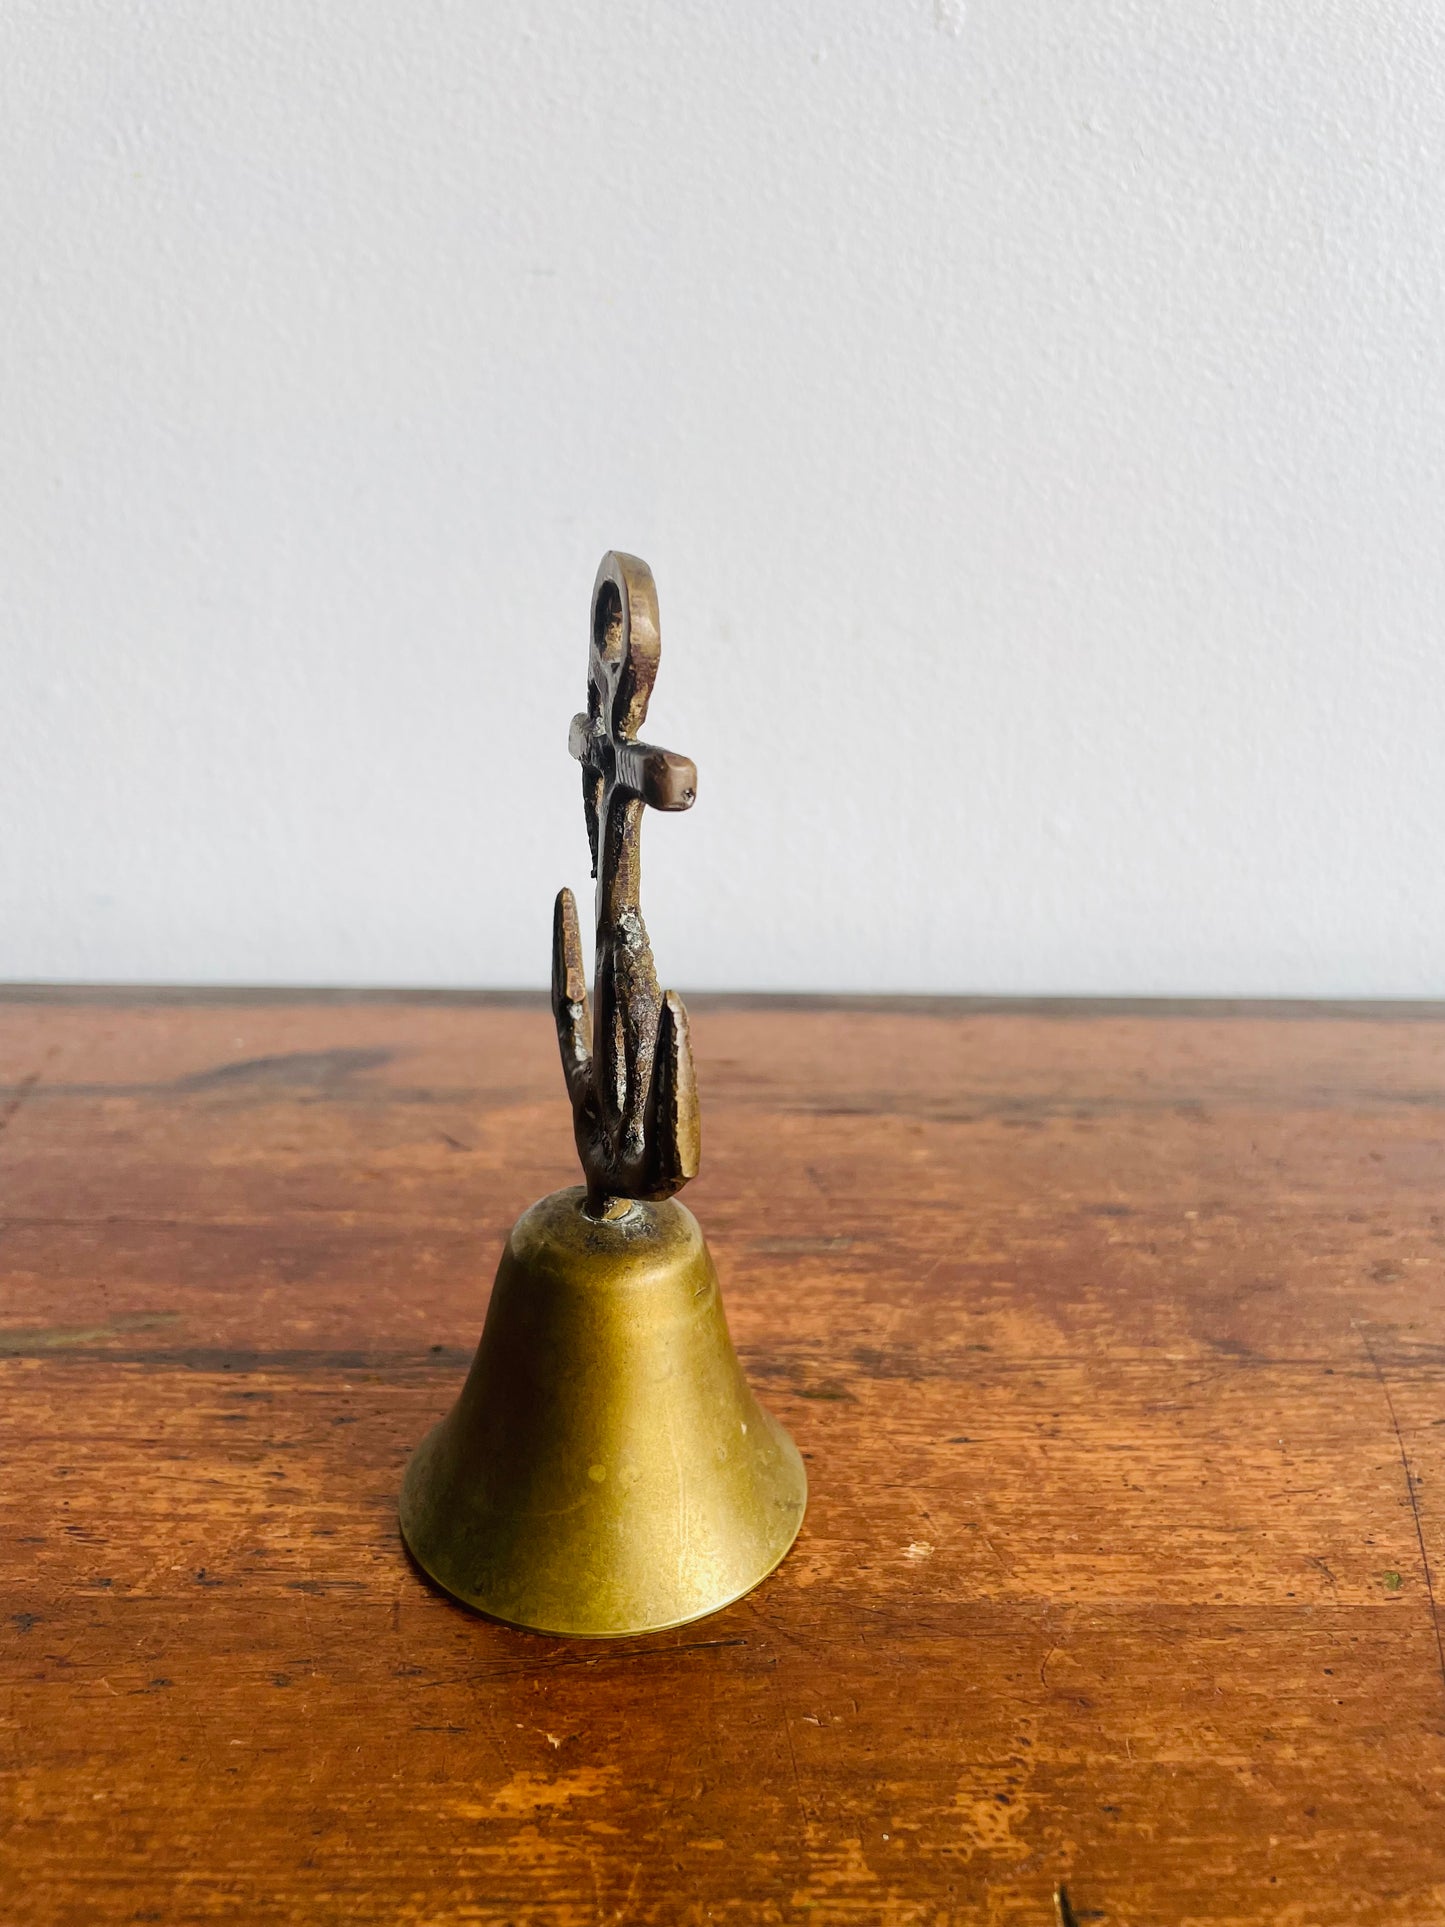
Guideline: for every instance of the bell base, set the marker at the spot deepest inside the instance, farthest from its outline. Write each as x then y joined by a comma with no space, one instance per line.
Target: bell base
607,1471
611,1632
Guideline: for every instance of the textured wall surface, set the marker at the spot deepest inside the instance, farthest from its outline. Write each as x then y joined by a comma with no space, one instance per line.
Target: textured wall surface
1033,410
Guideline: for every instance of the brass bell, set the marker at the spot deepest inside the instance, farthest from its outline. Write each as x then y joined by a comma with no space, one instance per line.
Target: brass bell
606,1470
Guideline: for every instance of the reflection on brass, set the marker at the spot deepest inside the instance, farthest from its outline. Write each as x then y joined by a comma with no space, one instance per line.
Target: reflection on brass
606,1470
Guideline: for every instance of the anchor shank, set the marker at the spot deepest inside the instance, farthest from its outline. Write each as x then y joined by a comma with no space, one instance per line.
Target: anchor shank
634,1140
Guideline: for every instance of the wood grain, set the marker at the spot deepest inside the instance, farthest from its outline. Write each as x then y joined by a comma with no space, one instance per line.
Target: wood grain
1115,1338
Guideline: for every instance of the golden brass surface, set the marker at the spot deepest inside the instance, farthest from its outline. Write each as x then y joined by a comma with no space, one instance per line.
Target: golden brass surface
606,1469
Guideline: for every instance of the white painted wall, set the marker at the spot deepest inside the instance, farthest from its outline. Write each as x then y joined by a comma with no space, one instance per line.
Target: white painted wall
1033,410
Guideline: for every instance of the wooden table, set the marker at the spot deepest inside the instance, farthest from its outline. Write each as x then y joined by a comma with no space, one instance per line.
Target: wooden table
1115,1337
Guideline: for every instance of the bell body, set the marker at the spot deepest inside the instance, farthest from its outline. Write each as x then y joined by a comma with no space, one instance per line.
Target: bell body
606,1469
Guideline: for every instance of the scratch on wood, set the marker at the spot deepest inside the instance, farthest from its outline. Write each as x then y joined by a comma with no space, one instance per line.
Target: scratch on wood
1315,1560
1414,1502
792,1750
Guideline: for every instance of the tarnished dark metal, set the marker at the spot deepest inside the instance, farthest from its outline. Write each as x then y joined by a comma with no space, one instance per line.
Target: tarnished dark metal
627,1062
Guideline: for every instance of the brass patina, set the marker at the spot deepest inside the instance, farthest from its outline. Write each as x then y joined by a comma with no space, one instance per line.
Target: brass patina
606,1470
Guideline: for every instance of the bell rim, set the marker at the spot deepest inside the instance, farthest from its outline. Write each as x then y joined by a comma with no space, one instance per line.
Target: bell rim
612,1633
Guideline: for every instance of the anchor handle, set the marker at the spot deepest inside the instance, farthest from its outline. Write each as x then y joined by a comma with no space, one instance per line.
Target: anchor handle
630,1075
